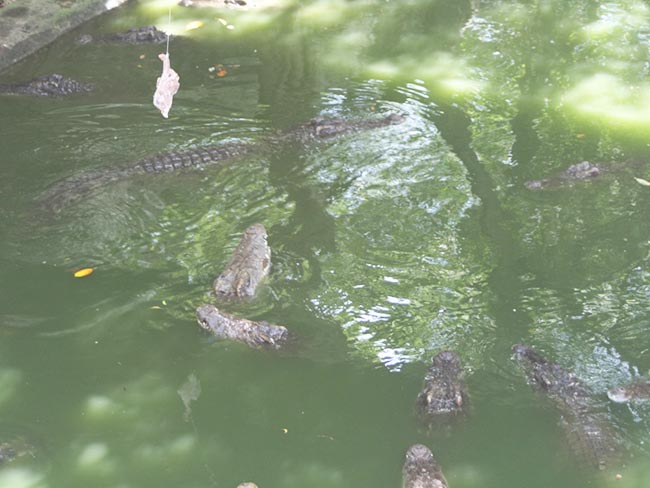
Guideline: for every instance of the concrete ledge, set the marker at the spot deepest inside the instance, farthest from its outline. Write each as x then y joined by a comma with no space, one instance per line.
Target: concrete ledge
28,25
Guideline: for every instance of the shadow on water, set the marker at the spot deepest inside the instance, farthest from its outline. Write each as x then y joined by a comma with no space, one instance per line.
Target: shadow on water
504,279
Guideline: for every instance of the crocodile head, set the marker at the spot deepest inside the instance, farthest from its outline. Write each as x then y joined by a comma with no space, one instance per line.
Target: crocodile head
444,390
210,319
619,395
419,453
637,391
421,469
545,375
582,171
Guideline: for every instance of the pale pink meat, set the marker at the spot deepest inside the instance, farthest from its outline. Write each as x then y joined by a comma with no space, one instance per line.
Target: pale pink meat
166,87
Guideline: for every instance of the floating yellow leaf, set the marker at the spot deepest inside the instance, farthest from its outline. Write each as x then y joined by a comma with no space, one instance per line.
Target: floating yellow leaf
156,307
195,24
87,271
641,181
285,431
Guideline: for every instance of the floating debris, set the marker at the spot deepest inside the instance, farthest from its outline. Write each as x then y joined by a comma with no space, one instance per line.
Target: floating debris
83,272
219,70
225,23
641,181
195,24
166,86
168,83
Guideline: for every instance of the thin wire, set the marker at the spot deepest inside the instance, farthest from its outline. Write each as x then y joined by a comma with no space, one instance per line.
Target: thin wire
169,26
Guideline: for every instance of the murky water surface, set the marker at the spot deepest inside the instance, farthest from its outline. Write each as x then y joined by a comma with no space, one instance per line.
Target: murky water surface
388,245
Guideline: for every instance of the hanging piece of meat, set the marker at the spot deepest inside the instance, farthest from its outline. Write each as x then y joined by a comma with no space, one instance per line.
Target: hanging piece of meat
166,86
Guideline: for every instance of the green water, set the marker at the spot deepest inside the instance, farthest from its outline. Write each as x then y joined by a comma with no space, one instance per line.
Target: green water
388,245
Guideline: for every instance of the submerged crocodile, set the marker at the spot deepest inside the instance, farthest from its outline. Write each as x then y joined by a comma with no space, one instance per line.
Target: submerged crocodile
444,389
45,86
72,189
148,34
7,453
634,392
15,448
248,266
328,127
421,470
253,334
576,172
584,419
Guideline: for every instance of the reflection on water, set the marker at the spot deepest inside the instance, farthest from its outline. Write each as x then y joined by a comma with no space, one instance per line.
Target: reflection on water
388,245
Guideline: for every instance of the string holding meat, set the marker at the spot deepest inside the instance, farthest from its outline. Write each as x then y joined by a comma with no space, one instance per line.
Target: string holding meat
166,86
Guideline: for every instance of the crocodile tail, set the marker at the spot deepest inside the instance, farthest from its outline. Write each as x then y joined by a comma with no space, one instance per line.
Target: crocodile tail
69,191
592,441
193,158
73,189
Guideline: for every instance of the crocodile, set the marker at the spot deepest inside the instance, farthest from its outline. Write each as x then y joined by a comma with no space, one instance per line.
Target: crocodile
45,86
7,452
320,128
583,418
583,171
229,327
14,448
421,470
72,189
58,85
148,34
248,266
636,391
444,390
